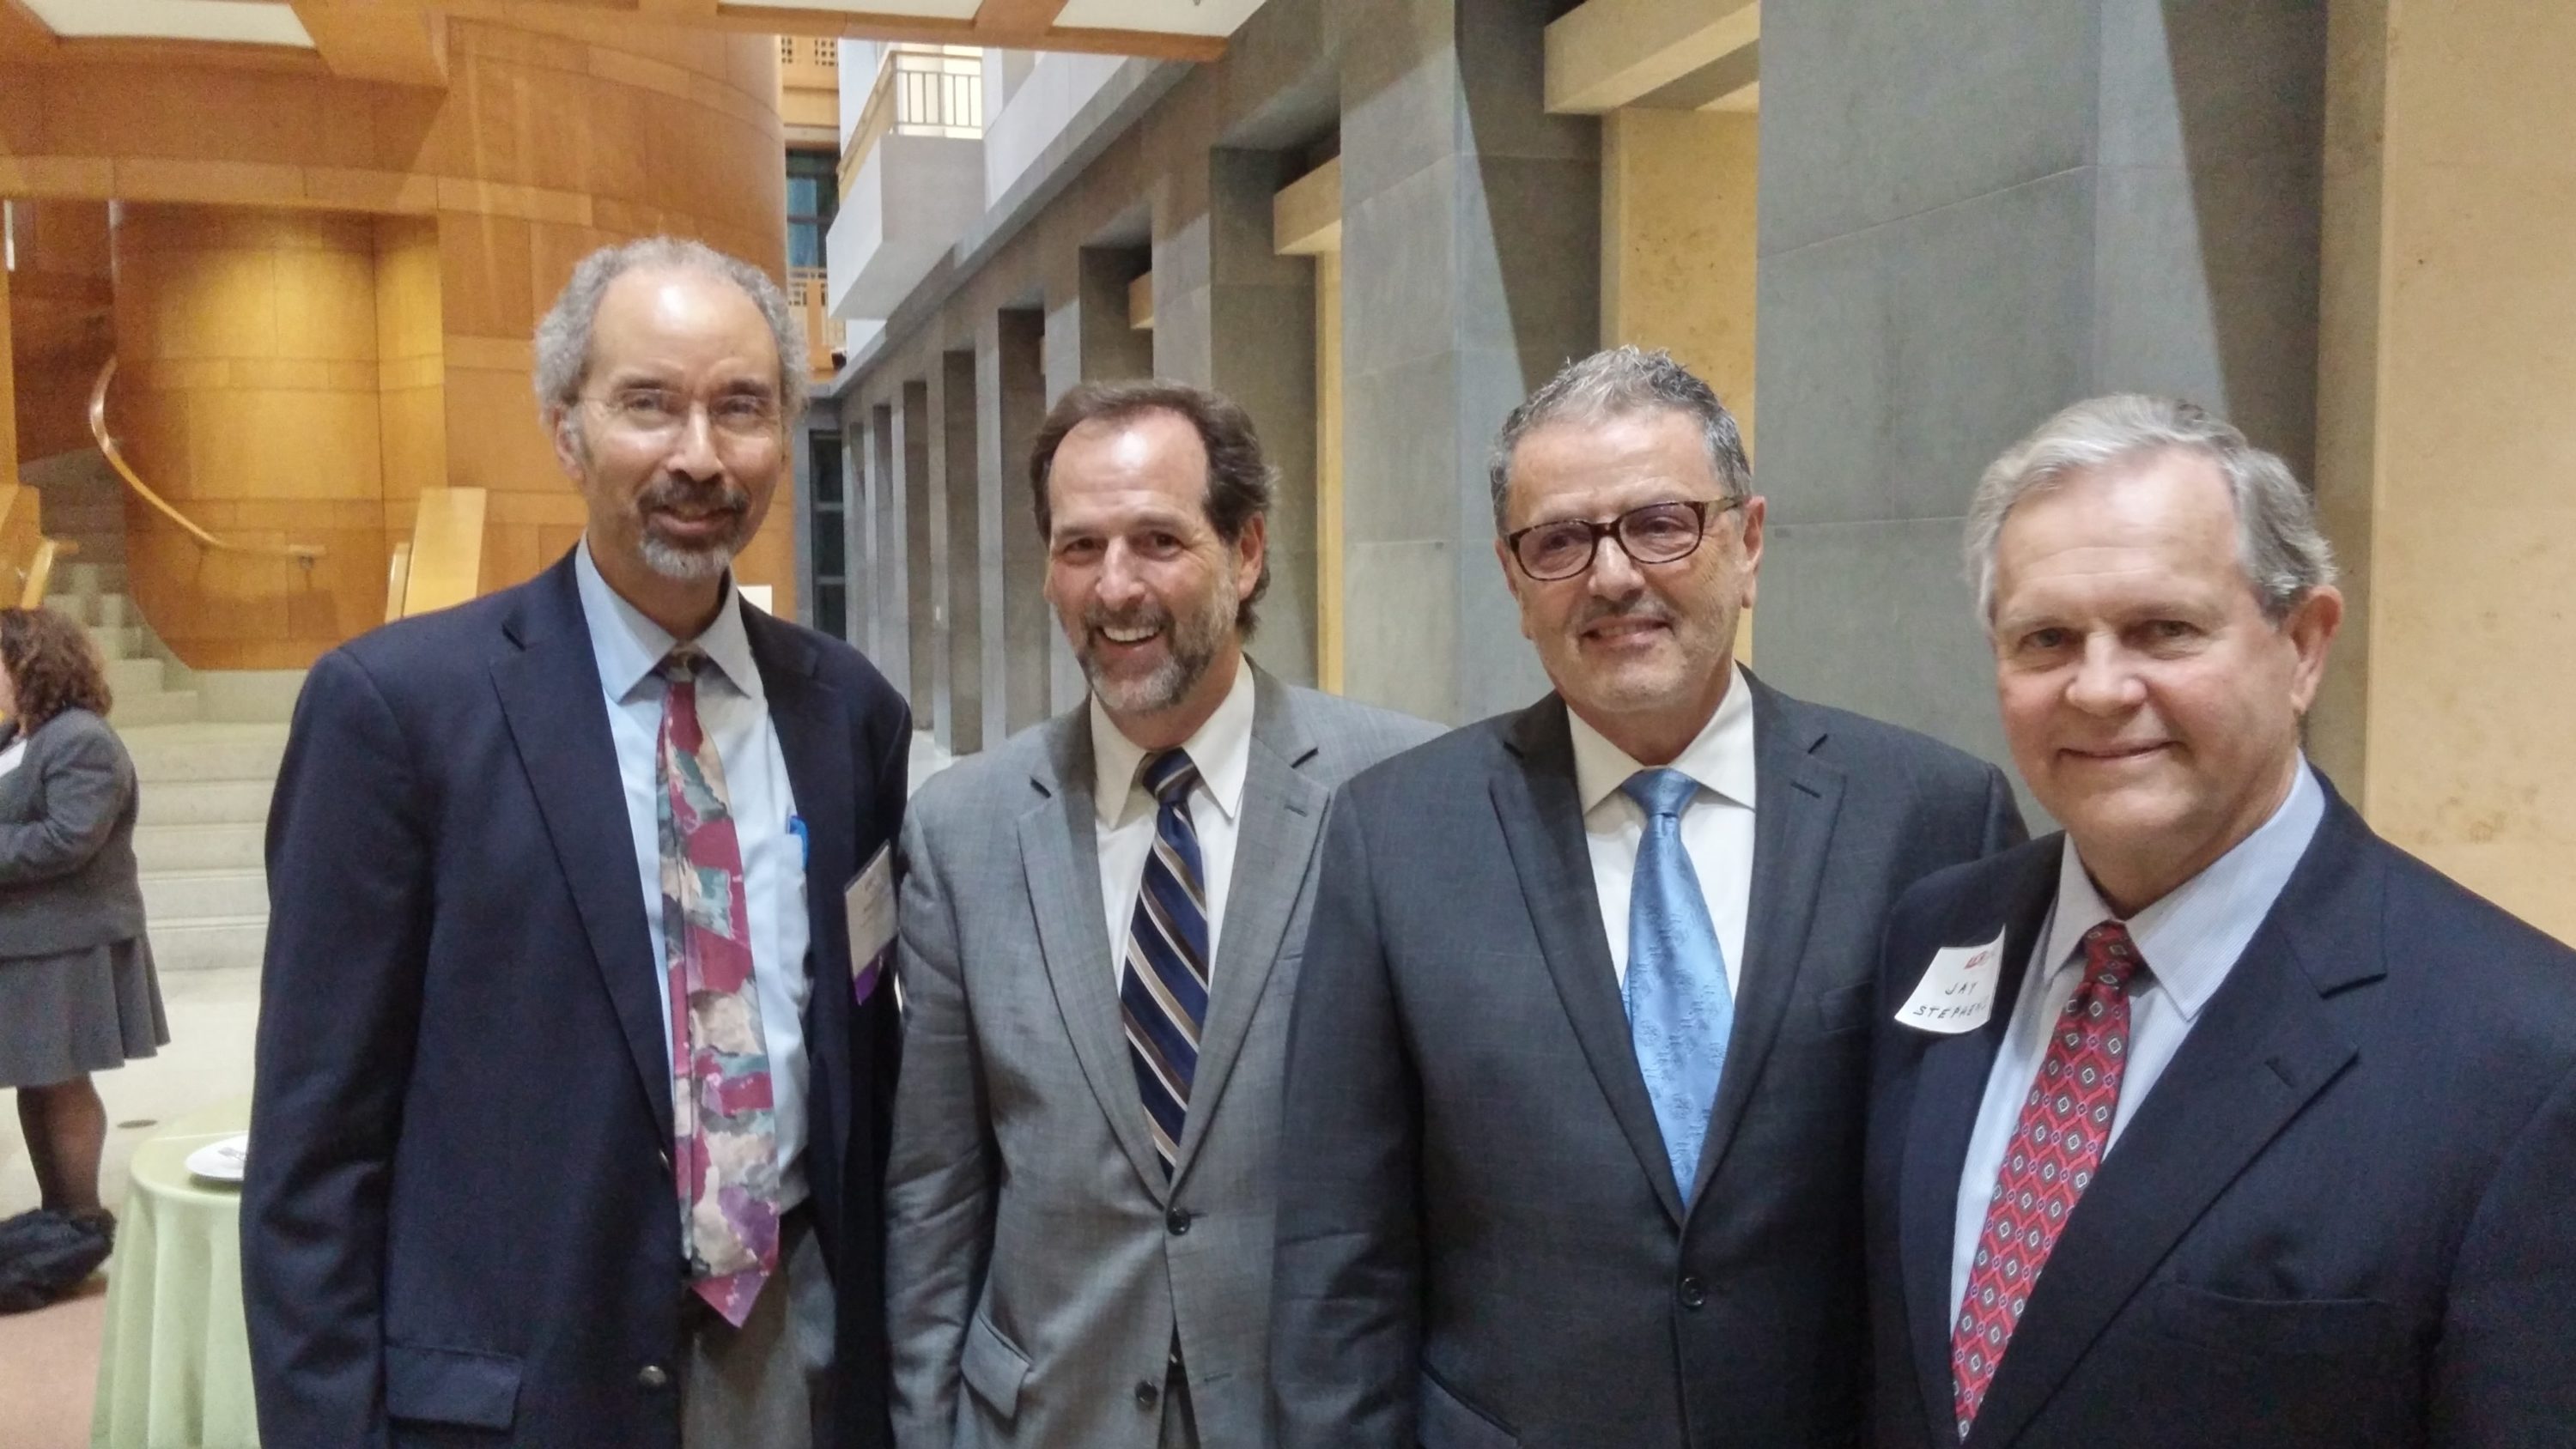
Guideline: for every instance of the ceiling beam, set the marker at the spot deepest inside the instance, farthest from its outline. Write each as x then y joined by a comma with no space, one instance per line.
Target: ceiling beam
1605,54
1017,17
371,40
609,17
22,35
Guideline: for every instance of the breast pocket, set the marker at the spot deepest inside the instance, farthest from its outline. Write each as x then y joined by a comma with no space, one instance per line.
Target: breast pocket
2314,1328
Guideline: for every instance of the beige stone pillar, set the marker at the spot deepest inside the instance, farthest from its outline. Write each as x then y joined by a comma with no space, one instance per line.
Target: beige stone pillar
2447,443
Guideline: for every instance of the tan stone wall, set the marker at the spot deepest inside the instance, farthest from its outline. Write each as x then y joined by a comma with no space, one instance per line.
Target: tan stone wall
2448,460
1677,242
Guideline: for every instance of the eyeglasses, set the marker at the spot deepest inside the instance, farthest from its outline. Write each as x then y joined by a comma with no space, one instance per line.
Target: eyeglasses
1657,533
655,412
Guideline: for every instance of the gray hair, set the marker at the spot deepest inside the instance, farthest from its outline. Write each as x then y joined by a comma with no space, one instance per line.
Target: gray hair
2278,546
1614,383
563,334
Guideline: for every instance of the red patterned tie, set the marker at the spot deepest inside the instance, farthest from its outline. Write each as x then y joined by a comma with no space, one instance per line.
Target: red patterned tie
2064,1123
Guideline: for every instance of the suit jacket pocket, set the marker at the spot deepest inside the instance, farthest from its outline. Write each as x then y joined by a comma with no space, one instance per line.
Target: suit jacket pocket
451,1386
1447,1422
993,1368
2302,1327
1845,1008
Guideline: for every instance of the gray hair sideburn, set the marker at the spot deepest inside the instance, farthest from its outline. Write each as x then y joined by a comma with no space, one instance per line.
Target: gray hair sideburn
1616,382
2283,555
563,334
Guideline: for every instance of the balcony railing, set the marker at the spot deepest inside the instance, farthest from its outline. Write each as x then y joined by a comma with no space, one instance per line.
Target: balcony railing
920,90
808,292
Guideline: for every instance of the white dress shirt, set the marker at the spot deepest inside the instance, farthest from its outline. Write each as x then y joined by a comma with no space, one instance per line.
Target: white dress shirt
1222,750
1717,825
2188,942
733,710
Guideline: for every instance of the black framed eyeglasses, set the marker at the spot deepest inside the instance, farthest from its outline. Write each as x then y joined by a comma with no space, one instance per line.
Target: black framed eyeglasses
1657,533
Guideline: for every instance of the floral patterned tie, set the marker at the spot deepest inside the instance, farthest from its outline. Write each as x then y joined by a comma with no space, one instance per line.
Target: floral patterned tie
725,1159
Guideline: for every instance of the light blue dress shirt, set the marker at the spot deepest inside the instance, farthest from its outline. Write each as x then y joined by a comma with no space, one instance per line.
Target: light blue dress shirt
734,711
2189,941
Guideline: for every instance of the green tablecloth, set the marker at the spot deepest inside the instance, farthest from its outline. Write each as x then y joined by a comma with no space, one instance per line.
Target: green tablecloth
174,1369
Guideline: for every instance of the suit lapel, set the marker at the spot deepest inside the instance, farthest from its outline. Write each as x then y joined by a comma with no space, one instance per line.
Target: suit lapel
1949,1087
1060,852
1282,815
1798,797
2264,1046
550,695
1542,820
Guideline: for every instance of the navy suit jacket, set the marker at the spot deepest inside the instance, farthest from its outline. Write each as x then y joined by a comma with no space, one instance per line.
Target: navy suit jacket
460,1225
2342,1217
1481,1244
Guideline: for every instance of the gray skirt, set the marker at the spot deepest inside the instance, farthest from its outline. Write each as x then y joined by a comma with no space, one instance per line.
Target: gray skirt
65,1015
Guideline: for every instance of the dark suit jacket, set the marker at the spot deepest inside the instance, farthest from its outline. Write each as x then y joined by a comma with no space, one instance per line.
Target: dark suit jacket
460,1225
1480,1240
67,874
2342,1217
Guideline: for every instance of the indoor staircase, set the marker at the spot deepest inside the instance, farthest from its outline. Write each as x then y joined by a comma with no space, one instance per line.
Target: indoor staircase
206,745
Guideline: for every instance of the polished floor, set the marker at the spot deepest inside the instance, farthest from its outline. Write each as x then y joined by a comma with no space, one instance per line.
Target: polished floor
49,1360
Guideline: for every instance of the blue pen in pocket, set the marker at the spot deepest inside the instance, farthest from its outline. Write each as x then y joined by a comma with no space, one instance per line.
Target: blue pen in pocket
804,841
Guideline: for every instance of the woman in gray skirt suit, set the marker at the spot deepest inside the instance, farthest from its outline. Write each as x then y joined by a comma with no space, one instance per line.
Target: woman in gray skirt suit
77,993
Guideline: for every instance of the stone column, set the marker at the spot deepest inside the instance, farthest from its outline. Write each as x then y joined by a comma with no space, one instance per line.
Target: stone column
953,471
1972,216
1088,339
2449,301
1471,237
925,541
1011,372
1232,314
890,563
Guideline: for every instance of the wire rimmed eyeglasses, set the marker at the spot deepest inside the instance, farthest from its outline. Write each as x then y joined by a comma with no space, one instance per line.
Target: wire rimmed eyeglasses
1655,534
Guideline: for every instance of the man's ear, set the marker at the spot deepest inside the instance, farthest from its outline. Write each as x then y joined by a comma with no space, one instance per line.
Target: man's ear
2310,628
565,435
1250,547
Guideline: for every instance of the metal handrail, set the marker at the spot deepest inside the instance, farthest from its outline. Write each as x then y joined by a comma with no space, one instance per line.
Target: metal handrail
302,553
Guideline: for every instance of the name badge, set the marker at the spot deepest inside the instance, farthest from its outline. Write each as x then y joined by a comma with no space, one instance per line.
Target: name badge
1957,992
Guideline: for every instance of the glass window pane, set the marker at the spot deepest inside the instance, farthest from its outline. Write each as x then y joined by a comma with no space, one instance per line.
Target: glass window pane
803,193
825,461
832,609
804,245
830,550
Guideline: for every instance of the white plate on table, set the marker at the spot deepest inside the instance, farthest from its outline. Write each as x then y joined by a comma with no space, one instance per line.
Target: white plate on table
221,1161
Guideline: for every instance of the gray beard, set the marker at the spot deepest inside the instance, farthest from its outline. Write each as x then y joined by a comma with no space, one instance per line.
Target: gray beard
686,566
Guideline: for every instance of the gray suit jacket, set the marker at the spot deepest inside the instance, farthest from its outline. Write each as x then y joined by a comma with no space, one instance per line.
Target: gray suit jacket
1481,1244
1039,1267
67,877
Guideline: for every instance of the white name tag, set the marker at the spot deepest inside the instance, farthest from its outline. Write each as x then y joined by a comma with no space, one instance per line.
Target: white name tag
1957,992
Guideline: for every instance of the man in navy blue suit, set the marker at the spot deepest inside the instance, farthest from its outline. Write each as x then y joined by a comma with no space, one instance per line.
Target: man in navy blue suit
2215,1120
571,1102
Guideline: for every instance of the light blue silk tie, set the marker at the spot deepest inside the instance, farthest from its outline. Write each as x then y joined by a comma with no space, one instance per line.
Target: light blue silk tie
1679,1007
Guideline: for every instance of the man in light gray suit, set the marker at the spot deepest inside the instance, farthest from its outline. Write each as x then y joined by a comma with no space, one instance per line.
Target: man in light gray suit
1099,922
1579,1059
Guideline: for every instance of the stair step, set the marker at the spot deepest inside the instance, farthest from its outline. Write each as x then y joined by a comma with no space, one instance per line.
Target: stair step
184,897
177,754
164,848
130,677
122,642
209,945
206,802
161,707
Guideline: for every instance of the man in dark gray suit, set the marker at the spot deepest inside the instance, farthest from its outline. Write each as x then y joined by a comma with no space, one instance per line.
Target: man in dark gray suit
1577,1075
1093,922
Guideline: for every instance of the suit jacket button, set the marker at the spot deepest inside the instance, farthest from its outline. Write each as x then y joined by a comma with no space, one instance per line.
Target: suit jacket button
651,1376
1694,1293
1178,1220
1146,1393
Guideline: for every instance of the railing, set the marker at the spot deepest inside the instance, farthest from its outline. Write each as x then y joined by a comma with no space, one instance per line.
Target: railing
442,565
24,550
809,62
302,553
808,291
920,90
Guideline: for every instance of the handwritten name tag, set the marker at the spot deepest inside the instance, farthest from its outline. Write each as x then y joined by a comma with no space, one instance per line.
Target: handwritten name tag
1957,992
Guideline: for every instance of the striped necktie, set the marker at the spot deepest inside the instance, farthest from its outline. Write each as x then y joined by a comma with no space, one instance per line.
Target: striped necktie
1163,989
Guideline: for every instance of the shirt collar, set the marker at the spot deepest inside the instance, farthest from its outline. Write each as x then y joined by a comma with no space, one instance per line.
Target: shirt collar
1720,758
2191,937
1222,750
627,646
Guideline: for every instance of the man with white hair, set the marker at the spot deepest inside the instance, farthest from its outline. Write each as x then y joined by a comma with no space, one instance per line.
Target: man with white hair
2217,1119
571,1100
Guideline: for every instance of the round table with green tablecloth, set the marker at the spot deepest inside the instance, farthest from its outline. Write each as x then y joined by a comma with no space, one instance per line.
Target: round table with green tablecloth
174,1366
